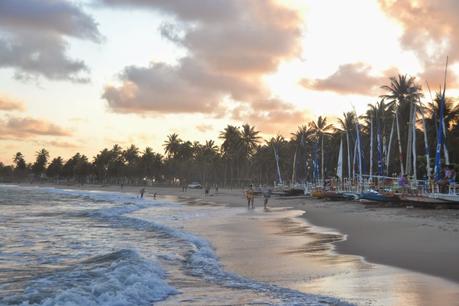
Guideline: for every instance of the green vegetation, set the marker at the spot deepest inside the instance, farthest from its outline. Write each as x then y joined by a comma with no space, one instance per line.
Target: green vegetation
244,156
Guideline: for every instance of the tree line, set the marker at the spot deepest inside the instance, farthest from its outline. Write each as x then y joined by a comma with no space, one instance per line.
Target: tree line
244,157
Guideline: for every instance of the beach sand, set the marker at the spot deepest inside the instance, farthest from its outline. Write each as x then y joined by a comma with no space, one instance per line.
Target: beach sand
364,254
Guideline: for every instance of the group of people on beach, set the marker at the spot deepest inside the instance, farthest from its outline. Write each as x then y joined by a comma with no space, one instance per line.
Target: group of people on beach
142,192
250,195
447,179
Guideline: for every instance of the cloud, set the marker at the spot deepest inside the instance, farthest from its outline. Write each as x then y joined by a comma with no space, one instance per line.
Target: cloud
431,29
33,38
204,128
271,116
354,78
61,144
208,11
231,46
19,128
8,104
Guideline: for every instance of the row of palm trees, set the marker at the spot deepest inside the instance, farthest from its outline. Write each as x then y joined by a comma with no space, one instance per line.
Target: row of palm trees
243,156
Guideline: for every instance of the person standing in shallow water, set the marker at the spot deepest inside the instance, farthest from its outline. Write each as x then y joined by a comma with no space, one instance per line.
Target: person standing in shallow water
142,191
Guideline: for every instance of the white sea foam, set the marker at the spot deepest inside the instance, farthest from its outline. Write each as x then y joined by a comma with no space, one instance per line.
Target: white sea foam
119,278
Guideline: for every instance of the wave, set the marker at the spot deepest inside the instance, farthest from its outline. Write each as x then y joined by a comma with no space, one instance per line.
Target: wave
119,278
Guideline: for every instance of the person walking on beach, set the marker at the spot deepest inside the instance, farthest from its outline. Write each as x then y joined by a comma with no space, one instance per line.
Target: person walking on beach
266,196
142,191
249,193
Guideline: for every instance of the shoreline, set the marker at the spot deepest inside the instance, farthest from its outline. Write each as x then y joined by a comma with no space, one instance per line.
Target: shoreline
418,240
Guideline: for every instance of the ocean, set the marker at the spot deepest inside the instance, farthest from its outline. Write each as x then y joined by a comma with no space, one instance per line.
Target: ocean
71,247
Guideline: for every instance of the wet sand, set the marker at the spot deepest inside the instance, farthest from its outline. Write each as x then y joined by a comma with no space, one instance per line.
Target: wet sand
426,241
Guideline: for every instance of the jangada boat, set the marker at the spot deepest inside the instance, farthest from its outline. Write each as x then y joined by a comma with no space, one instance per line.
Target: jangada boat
376,196
338,196
433,200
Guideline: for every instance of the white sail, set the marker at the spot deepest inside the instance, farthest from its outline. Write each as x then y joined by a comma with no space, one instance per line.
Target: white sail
339,168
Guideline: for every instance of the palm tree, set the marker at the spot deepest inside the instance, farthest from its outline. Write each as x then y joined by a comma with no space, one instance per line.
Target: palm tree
402,95
451,111
249,139
277,143
299,139
131,156
40,163
347,125
19,161
231,149
101,163
55,167
171,145
116,162
150,164
321,128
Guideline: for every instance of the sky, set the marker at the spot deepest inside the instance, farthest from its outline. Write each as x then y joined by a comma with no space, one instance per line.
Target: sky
80,76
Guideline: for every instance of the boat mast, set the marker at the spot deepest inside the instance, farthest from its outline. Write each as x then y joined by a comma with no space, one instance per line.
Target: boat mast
413,125
294,169
359,150
440,132
371,147
445,149
276,156
399,142
409,143
426,141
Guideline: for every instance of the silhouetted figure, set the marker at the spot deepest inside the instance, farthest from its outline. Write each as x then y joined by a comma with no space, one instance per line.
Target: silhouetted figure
142,191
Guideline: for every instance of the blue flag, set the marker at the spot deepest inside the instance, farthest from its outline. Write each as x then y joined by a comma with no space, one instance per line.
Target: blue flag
315,162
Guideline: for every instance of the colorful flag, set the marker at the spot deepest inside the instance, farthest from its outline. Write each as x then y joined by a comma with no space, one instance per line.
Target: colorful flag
339,168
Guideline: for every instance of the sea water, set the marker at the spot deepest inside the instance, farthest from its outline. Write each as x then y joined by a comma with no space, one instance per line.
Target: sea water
69,247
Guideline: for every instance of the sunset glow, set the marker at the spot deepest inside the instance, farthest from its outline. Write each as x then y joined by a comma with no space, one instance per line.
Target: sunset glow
135,71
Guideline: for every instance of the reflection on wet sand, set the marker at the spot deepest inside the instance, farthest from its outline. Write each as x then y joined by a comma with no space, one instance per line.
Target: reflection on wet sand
279,248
